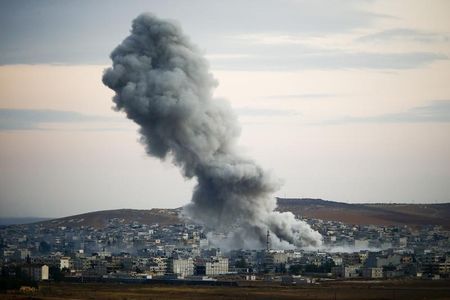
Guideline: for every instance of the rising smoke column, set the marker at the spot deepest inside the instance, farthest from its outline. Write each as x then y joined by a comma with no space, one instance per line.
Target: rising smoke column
163,83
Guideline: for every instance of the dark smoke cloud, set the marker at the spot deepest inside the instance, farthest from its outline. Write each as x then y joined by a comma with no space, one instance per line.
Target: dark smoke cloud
163,83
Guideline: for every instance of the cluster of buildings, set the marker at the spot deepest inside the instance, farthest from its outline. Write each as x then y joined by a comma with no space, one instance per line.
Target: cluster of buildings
134,251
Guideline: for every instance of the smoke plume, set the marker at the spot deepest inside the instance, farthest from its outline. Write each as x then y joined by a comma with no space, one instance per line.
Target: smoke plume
163,83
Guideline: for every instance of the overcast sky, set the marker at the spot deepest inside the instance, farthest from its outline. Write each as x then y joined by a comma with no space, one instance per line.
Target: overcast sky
341,100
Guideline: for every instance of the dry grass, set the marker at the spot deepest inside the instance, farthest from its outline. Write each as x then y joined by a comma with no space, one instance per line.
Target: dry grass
339,290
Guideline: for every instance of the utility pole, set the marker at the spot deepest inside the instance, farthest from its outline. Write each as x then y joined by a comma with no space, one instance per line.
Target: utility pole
268,241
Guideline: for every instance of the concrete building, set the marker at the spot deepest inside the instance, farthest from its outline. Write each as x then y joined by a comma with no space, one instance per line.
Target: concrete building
403,242
203,243
337,260
372,272
36,272
216,266
64,263
440,267
279,257
22,254
158,266
351,271
182,267
377,260
345,272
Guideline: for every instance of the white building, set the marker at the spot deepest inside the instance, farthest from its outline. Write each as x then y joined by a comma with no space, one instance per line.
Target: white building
64,263
403,242
217,266
44,272
203,243
183,267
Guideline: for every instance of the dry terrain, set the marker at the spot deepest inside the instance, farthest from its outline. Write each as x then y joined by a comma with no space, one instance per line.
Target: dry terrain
376,214
410,290
100,219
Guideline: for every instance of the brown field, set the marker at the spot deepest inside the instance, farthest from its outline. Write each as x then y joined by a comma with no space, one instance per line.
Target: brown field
410,290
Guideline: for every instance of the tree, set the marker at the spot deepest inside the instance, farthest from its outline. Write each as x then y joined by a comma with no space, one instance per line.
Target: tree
55,273
44,247
242,263
281,268
295,269
389,267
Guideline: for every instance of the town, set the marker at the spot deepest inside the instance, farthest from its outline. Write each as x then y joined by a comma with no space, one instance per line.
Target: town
134,252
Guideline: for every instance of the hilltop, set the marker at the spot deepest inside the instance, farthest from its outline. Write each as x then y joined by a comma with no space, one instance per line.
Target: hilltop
376,214
100,219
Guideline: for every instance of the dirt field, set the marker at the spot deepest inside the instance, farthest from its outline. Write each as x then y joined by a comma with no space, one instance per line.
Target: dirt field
410,290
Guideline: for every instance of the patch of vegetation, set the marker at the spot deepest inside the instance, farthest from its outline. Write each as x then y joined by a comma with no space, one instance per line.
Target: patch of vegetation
12,279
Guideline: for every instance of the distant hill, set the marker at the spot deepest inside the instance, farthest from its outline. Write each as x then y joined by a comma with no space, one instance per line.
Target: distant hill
377,214
18,221
100,219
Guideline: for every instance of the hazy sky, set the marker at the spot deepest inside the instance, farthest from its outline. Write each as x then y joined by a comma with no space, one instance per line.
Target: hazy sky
341,100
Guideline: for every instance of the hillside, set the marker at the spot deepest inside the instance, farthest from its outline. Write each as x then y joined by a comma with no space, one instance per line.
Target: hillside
100,219
377,214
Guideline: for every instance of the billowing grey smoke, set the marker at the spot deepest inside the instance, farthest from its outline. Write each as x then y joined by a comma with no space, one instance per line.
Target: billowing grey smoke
163,84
